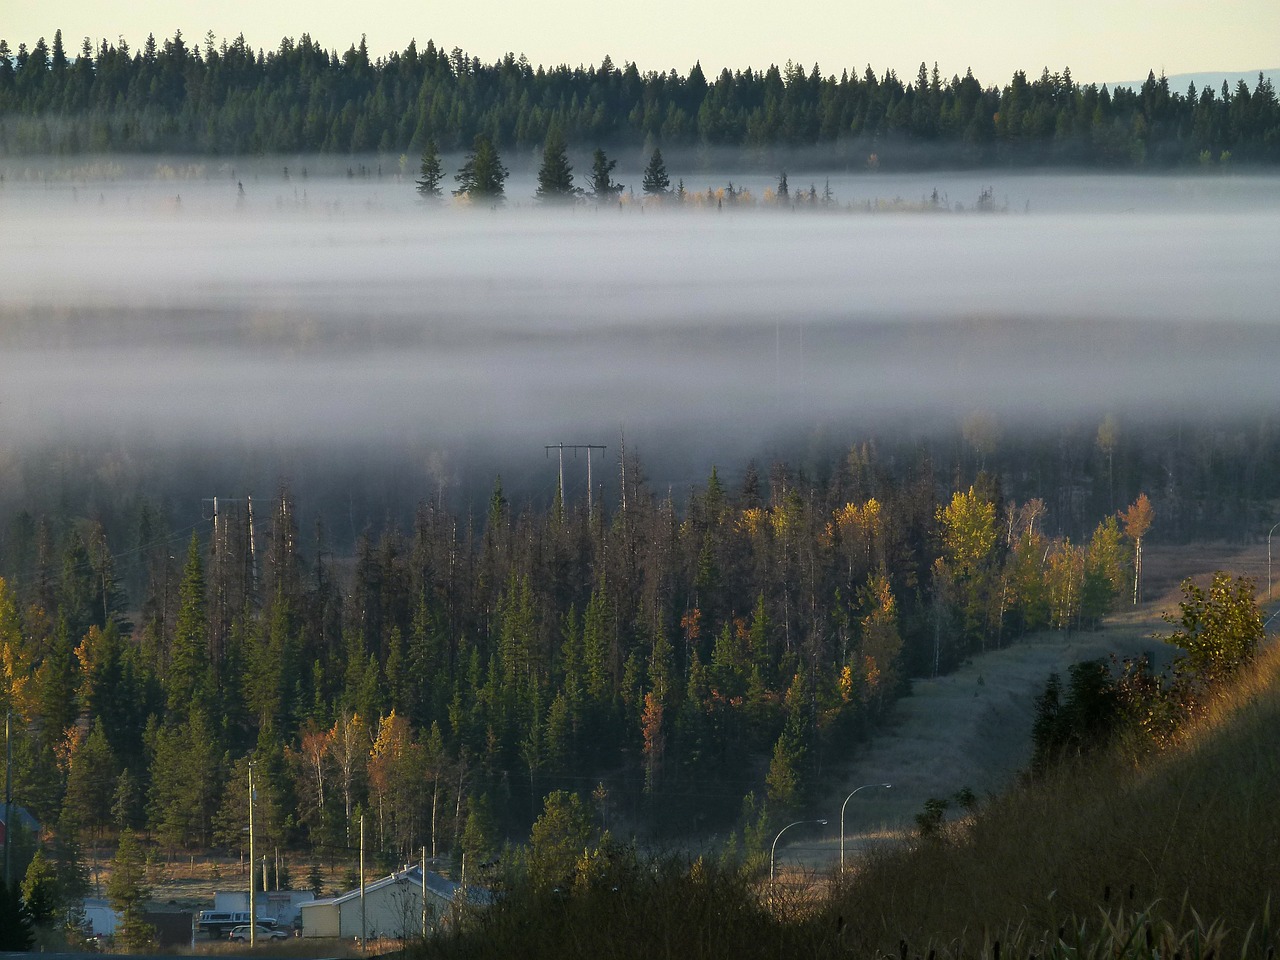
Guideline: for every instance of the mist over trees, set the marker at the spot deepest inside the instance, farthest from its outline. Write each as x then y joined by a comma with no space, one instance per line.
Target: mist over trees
661,654
224,97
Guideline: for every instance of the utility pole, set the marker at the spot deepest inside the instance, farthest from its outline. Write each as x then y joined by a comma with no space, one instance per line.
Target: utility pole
363,924
575,447
253,913
424,894
8,796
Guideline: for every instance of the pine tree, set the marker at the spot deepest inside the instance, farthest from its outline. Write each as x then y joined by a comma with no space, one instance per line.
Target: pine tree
40,890
656,183
128,893
482,175
555,176
188,675
429,182
603,187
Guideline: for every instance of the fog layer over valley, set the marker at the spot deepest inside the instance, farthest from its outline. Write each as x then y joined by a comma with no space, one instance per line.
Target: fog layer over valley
289,322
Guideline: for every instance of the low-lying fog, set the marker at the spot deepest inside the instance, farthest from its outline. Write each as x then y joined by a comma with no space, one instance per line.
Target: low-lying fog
253,310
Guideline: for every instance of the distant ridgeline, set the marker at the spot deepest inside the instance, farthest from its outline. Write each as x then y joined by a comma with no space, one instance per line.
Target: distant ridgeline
226,98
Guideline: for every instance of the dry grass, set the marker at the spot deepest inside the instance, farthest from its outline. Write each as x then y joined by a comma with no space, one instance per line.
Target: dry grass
1194,829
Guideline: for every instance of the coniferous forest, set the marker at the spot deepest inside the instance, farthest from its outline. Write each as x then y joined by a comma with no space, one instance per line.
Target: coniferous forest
226,98
690,663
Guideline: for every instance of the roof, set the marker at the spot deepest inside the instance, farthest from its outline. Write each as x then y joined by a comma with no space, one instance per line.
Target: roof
440,886
23,817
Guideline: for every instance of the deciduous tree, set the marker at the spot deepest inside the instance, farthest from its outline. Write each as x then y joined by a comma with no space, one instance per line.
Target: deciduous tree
1137,519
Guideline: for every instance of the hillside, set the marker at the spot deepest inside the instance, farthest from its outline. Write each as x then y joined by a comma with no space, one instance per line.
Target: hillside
972,728
1192,829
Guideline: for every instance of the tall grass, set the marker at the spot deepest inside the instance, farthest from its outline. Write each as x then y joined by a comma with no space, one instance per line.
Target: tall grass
1192,831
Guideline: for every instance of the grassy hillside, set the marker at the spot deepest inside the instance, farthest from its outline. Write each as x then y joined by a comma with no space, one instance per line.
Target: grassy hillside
1191,829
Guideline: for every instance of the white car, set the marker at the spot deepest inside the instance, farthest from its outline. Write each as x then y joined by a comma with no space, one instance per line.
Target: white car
241,933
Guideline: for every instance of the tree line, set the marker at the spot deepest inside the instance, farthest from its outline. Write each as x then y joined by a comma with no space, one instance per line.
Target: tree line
227,98
664,659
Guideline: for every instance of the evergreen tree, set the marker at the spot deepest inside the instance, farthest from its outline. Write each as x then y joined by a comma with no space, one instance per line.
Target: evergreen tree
15,919
40,890
557,840
187,678
603,188
482,176
128,893
431,173
90,781
656,182
555,176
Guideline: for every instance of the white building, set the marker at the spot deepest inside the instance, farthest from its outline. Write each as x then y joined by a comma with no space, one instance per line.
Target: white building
100,919
282,906
392,907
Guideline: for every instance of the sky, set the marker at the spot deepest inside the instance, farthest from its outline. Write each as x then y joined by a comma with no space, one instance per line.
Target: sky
1099,40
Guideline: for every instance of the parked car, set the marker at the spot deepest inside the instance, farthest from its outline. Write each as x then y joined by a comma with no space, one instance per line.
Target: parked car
216,924
241,933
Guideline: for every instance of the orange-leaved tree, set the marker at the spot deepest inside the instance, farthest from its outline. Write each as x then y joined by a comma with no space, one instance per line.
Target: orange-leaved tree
1137,519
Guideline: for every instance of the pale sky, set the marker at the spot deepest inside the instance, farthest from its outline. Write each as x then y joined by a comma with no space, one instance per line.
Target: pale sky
1100,40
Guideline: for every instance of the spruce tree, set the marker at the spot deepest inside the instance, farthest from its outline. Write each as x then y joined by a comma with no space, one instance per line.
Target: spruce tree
429,182
482,175
128,893
555,176
188,679
602,186
656,182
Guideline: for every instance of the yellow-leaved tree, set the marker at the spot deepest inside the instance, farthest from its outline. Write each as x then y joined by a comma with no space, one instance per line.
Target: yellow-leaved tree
1137,518
967,526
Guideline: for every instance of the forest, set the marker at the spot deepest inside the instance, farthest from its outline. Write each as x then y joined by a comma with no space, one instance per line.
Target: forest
226,98
689,664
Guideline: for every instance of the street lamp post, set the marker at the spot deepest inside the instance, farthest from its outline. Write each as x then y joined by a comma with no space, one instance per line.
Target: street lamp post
865,786
253,909
1269,533
774,849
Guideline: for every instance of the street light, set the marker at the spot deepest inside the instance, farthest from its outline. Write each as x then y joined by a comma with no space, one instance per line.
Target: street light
845,804
774,848
1269,533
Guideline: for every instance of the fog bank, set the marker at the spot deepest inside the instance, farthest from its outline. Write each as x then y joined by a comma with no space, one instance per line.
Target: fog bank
336,313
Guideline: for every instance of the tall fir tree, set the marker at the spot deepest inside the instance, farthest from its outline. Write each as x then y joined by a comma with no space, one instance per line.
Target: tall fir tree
430,172
656,183
187,678
603,187
555,176
482,177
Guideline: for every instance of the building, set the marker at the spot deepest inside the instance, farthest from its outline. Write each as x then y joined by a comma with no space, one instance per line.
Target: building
282,906
392,907
22,819
100,917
